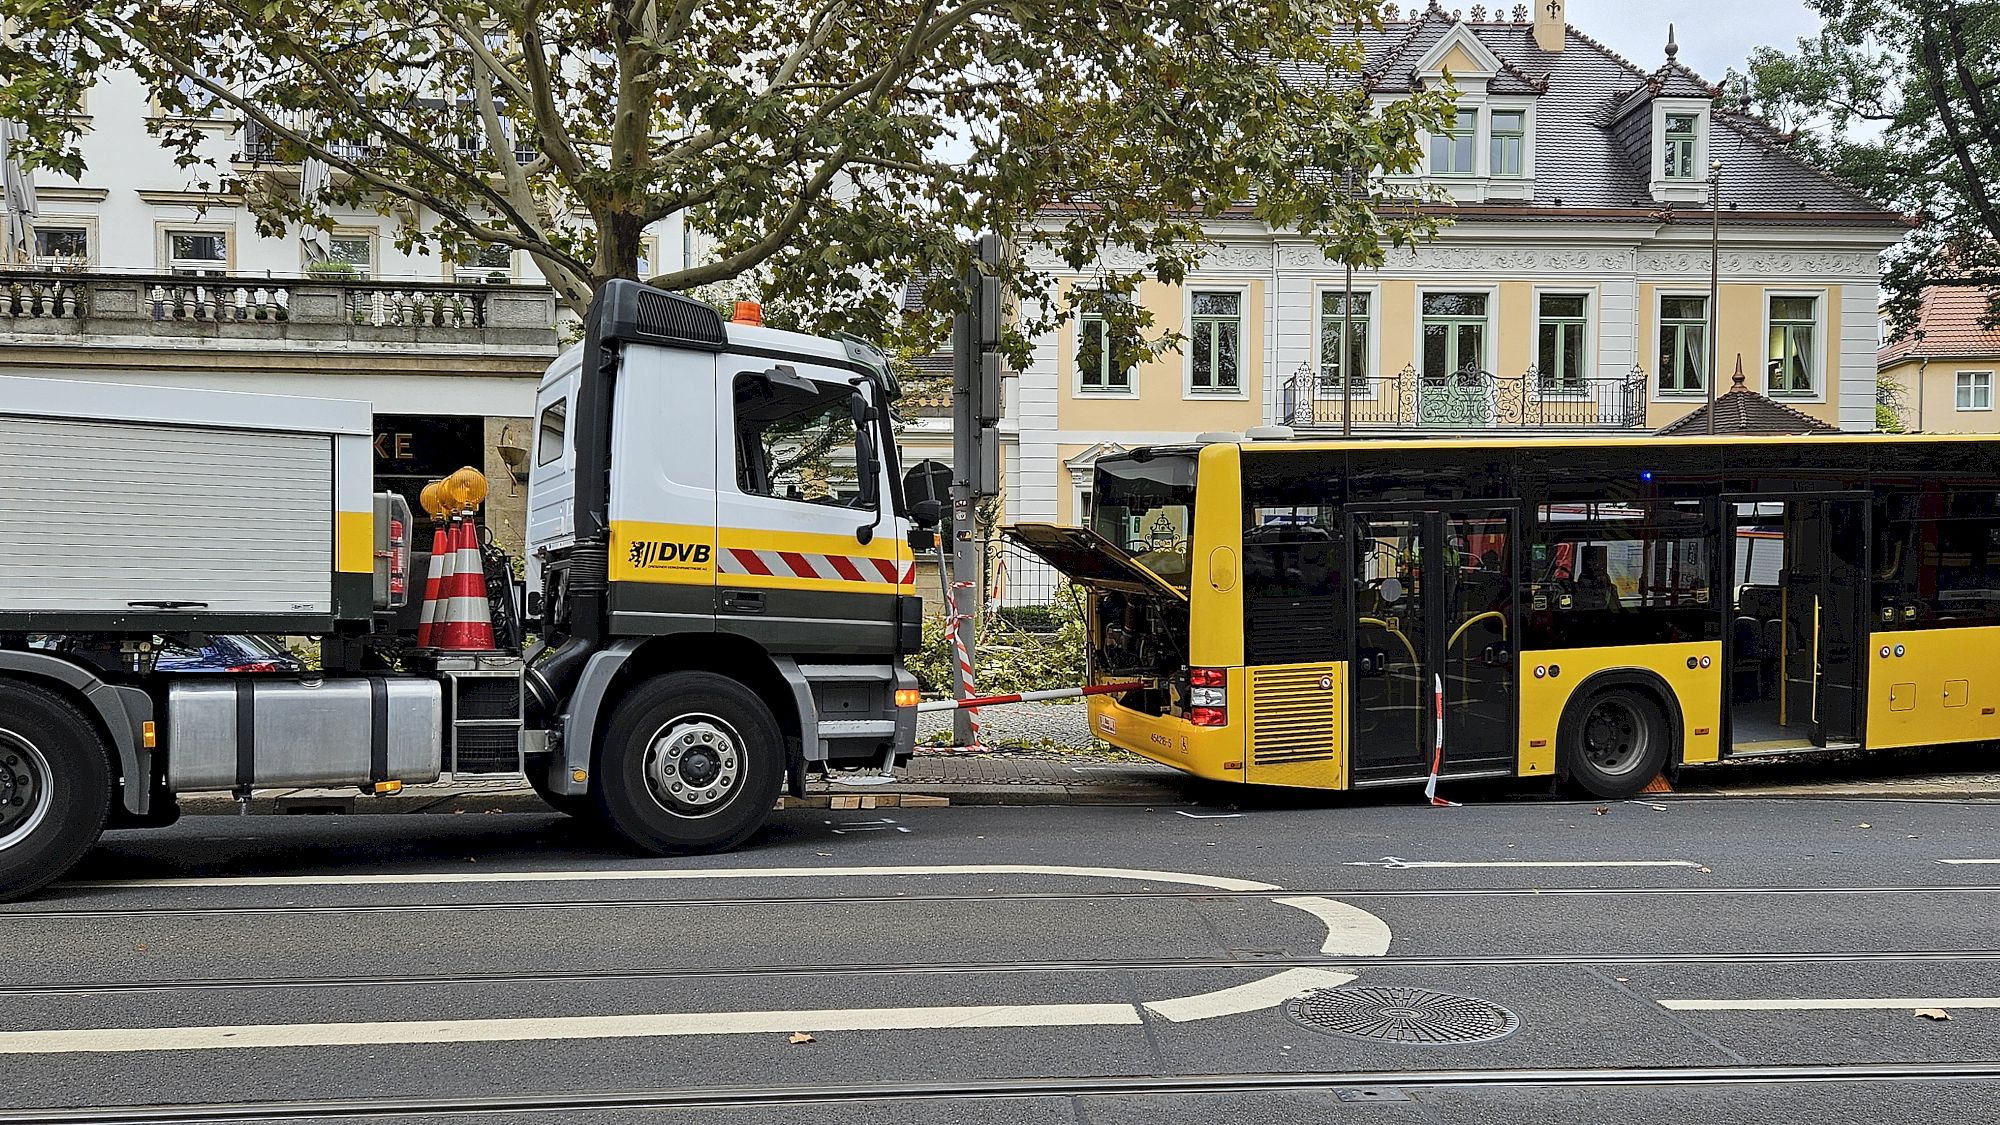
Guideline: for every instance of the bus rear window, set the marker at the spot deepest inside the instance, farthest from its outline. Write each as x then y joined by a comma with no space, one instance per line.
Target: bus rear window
1147,509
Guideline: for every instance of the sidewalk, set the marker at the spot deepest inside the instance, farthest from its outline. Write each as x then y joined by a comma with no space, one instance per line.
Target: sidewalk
1069,778
1042,754
1005,778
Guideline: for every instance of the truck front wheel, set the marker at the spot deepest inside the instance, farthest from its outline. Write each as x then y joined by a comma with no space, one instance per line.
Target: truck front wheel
55,788
692,762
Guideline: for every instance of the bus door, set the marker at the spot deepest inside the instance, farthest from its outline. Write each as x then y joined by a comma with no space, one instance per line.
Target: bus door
1798,634
1433,608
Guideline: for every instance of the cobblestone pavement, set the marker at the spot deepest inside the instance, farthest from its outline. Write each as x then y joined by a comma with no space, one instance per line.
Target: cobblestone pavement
1065,724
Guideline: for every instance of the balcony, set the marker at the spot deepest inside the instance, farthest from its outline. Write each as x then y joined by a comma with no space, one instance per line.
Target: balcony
1311,402
77,307
257,150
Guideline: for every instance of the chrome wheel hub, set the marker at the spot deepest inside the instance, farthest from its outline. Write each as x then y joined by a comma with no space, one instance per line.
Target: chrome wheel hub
693,764
24,788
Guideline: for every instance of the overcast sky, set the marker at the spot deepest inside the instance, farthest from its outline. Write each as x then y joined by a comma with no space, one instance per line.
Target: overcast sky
1714,35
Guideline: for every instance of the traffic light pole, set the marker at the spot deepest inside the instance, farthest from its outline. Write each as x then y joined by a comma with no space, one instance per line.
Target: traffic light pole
975,411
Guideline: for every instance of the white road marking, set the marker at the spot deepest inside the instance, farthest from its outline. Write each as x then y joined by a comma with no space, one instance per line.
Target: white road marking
1209,816
1782,1004
1392,863
1989,861
648,874
1254,996
124,1040
1351,931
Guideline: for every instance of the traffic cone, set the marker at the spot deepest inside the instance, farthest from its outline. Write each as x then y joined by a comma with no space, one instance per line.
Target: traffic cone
433,585
467,625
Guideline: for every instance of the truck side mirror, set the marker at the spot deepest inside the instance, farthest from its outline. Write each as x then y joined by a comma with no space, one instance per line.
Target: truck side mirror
926,513
922,539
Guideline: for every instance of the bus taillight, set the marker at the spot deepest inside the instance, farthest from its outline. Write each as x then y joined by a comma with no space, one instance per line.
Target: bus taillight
1208,697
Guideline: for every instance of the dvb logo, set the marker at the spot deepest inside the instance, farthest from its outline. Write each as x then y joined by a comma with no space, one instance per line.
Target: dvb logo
646,553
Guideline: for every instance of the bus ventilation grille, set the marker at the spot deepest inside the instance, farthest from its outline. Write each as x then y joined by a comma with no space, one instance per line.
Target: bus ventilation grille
1291,714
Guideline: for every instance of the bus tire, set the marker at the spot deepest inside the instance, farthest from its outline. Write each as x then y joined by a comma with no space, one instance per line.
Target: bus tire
1615,741
691,763
55,787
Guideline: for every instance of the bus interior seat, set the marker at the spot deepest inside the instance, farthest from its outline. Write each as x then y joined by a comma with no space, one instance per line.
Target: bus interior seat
1747,661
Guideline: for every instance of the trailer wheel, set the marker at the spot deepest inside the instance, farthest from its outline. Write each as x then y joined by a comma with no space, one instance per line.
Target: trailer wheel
55,788
1615,741
692,762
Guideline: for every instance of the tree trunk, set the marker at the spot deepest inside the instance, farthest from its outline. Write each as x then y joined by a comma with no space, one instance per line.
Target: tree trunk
619,240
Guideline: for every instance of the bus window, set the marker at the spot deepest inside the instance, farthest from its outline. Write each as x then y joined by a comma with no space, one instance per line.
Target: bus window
1619,573
1291,584
1937,560
1147,508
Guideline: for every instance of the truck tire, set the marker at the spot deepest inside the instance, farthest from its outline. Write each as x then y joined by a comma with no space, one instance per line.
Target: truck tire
579,805
55,788
1615,742
691,763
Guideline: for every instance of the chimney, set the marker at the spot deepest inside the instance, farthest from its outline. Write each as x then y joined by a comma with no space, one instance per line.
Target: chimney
1549,24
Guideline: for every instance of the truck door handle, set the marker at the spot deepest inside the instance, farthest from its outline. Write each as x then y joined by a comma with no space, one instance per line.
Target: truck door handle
739,602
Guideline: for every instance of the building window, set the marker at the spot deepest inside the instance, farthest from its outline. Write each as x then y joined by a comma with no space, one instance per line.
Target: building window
1215,333
1097,367
1680,139
1794,323
1975,390
1454,334
1452,152
1335,361
1560,353
348,255
492,263
1509,143
62,246
1683,344
198,253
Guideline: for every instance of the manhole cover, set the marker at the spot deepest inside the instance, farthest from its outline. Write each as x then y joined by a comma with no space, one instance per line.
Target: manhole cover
1403,1015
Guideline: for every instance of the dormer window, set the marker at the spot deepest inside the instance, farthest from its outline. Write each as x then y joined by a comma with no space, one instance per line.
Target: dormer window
1510,139
1679,145
1453,153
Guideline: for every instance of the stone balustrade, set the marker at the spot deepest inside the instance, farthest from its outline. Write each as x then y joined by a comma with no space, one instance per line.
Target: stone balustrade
45,306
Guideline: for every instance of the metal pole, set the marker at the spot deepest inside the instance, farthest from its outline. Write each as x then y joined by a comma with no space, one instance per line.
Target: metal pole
1714,282
1346,355
964,501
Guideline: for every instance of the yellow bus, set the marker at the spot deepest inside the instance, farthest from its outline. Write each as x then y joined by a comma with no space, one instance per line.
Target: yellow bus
1342,614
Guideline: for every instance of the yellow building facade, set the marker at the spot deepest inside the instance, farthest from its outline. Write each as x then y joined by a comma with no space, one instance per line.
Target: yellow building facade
1568,292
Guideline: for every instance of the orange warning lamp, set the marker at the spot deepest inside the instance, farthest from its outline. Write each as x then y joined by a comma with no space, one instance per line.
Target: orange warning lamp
433,505
463,490
747,312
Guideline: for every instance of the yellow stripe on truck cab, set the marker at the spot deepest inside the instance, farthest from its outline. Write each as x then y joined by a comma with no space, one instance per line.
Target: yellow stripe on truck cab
679,554
354,542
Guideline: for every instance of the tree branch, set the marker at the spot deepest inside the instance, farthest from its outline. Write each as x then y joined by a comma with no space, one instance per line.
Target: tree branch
1969,170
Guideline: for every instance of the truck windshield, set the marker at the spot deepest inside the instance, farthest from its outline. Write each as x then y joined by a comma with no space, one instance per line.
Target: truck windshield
1147,508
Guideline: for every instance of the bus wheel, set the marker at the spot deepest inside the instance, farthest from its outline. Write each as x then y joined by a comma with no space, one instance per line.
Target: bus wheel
55,788
692,762
1616,742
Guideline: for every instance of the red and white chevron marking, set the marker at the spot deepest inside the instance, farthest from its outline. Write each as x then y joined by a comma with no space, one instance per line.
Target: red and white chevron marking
803,564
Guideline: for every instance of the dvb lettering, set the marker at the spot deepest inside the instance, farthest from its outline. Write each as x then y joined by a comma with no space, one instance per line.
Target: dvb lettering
646,553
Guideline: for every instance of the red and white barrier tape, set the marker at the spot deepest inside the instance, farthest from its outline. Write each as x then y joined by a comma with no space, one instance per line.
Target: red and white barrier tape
1437,748
1026,697
963,656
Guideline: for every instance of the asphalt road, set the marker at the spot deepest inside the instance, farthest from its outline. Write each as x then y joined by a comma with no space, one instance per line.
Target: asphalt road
1091,965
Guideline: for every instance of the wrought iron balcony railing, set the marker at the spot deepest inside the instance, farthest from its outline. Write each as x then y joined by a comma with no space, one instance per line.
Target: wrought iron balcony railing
1466,399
